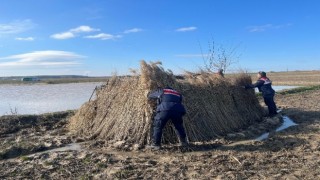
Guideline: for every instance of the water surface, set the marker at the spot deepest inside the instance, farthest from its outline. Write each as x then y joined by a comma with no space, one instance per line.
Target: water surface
43,98
281,88
287,122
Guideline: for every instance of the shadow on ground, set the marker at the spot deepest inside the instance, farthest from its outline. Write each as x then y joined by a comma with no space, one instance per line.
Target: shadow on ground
284,140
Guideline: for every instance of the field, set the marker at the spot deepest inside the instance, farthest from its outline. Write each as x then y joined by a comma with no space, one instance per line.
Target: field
56,80
290,154
296,78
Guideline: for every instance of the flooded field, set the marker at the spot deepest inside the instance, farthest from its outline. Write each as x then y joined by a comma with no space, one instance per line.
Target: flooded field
40,147
281,88
43,98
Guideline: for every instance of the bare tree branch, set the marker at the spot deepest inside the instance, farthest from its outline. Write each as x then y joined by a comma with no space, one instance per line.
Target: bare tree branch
220,58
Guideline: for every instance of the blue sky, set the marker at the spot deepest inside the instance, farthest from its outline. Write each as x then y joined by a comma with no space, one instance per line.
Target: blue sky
99,37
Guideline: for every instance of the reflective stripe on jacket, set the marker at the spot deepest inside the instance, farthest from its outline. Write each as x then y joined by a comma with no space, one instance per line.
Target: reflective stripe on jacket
168,100
266,88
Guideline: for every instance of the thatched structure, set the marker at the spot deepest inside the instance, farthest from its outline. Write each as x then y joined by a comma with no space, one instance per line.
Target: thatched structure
121,111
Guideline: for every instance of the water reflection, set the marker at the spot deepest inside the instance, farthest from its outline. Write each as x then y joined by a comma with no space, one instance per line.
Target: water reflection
43,98
281,88
287,122
68,147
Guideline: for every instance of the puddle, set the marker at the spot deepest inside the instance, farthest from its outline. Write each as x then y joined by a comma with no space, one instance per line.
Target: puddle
281,88
68,147
262,137
287,122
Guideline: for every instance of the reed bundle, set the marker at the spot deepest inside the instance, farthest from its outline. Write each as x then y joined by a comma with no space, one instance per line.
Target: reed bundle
122,112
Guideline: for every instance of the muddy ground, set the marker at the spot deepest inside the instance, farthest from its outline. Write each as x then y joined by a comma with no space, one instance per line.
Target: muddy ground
26,144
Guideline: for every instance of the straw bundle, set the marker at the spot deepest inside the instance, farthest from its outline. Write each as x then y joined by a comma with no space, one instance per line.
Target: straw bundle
121,111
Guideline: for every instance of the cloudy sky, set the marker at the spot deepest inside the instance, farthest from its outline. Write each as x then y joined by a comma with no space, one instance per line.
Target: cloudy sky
99,37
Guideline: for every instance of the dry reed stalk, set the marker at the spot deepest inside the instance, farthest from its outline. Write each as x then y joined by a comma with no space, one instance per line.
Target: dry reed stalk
121,111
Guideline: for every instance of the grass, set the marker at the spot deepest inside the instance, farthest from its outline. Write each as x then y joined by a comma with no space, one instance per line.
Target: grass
48,163
87,160
72,80
25,158
85,177
294,90
300,90
293,78
102,165
124,174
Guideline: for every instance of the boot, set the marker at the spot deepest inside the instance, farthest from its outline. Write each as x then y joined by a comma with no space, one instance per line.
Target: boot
154,147
183,141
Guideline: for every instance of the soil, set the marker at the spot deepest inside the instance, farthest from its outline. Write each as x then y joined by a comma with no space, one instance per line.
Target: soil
290,154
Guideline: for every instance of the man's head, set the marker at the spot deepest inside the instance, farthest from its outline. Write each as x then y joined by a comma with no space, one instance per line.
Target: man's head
262,74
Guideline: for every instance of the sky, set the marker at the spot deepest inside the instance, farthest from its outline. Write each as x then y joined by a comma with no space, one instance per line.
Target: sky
102,37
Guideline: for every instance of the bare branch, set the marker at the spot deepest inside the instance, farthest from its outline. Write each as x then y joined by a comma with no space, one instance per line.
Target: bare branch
220,58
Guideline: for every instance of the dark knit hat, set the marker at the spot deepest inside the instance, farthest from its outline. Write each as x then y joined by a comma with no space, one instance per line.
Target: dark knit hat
262,73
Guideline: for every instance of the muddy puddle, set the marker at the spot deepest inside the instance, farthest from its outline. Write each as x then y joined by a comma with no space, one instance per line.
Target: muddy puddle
287,122
68,147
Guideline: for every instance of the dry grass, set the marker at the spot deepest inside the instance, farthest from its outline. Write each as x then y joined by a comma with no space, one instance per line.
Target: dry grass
297,78
121,111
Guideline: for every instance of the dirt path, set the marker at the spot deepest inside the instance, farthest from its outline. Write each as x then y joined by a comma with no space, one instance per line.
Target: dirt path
290,154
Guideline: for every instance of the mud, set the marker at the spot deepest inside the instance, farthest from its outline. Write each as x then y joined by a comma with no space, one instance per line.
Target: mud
27,134
289,154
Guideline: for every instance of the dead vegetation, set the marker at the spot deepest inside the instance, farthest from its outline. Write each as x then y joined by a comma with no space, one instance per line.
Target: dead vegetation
290,154
121,112
294,78
27,134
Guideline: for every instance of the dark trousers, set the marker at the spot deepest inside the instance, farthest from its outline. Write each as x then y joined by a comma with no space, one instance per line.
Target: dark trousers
271,105
161,120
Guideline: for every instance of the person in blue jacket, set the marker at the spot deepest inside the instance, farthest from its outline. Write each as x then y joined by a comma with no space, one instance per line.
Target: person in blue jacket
169,107
264,85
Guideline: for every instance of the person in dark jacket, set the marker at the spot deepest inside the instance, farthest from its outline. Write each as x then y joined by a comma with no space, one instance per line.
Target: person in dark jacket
169,107
264,85
220,73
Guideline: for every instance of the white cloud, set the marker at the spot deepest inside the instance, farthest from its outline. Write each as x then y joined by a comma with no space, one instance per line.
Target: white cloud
186,29
73,32
64,35
259,28
83,29
103,36
134,30
16,27
266,27
282,26
24,39
48,58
